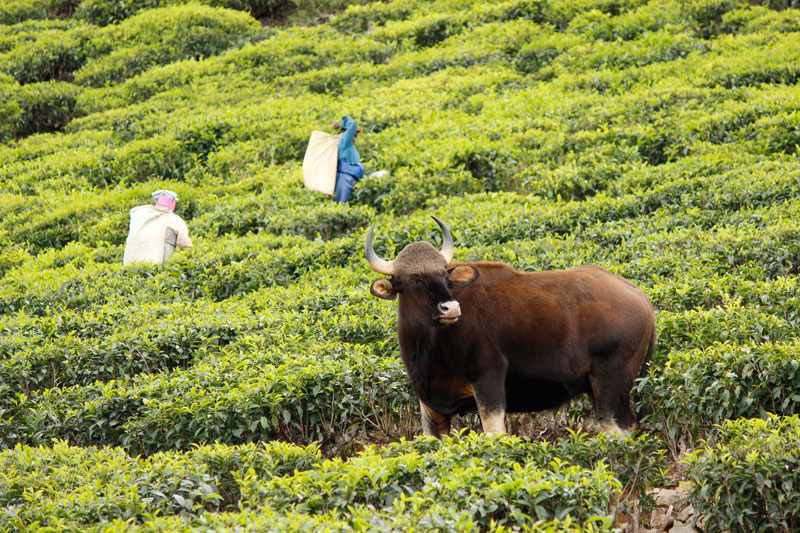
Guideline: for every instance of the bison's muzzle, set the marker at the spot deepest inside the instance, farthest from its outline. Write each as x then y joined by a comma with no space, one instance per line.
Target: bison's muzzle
450,312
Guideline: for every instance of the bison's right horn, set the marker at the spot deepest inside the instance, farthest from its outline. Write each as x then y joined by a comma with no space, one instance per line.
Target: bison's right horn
378,265
447,241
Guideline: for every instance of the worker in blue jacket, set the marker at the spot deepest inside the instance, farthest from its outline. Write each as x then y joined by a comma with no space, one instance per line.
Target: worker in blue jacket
349,169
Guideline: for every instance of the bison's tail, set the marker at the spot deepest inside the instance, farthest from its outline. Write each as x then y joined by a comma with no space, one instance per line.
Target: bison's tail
649,355
645,409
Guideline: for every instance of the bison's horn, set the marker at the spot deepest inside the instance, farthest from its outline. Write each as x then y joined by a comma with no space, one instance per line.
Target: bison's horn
378,265
447,241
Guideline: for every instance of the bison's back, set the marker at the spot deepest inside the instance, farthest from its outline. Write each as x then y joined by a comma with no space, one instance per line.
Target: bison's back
553,322
581,293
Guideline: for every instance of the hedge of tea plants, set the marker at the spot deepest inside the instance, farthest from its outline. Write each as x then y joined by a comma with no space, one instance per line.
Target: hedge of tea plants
238,385
467,482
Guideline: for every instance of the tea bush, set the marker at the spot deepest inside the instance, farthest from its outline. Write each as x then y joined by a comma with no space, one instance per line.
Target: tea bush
522,494
159,36
46,52
637,463
433,517
45,107
14,34
9,110
748,478
14,11
699,389
105,12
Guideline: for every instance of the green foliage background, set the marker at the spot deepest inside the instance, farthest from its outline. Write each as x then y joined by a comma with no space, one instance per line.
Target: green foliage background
235,386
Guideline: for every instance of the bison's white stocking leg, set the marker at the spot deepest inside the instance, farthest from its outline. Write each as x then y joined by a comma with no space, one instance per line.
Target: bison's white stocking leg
493,419
613,430
494,422
433,423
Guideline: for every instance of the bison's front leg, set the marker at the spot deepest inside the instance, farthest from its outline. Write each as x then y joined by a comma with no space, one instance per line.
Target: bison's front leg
433,423
491,400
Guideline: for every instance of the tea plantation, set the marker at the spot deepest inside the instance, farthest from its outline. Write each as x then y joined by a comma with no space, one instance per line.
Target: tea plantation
252,383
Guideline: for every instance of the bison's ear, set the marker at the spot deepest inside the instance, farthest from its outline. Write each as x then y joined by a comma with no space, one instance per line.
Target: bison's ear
462,276
382,288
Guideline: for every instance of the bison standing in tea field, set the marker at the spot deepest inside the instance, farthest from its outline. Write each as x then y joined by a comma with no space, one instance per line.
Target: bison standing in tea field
482,335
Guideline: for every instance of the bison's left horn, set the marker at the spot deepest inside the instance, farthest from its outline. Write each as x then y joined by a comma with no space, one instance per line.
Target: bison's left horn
378,265
447,241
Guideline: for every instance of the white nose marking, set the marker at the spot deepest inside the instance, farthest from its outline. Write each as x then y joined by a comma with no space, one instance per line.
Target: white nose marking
450,309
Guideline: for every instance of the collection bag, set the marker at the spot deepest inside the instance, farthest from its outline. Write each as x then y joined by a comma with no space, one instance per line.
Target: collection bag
319,164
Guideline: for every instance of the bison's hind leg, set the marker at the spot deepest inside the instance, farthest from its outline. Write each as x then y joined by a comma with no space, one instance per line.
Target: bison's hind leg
612,406
612,429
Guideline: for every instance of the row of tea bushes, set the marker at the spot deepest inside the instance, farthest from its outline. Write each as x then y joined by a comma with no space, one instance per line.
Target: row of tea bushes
161,36
15,11
696,390
430,516
113,342
527,483
68,487
599,19
105,12
250,390
44,51
573,481
245,265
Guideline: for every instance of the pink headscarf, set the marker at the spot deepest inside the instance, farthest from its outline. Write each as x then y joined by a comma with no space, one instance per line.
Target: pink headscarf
166,199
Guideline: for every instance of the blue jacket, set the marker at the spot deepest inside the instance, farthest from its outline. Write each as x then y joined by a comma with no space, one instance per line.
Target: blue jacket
348,152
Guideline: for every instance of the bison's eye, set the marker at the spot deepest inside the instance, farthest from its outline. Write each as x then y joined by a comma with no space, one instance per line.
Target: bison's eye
414,282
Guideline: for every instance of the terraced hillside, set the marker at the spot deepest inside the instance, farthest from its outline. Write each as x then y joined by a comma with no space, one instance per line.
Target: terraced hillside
252,383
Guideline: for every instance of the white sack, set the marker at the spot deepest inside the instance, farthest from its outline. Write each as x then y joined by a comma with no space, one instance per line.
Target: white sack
319,164
147,235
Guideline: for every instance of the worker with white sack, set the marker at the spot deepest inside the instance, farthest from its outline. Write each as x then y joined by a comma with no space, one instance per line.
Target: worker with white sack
332,164
155,230
349,169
